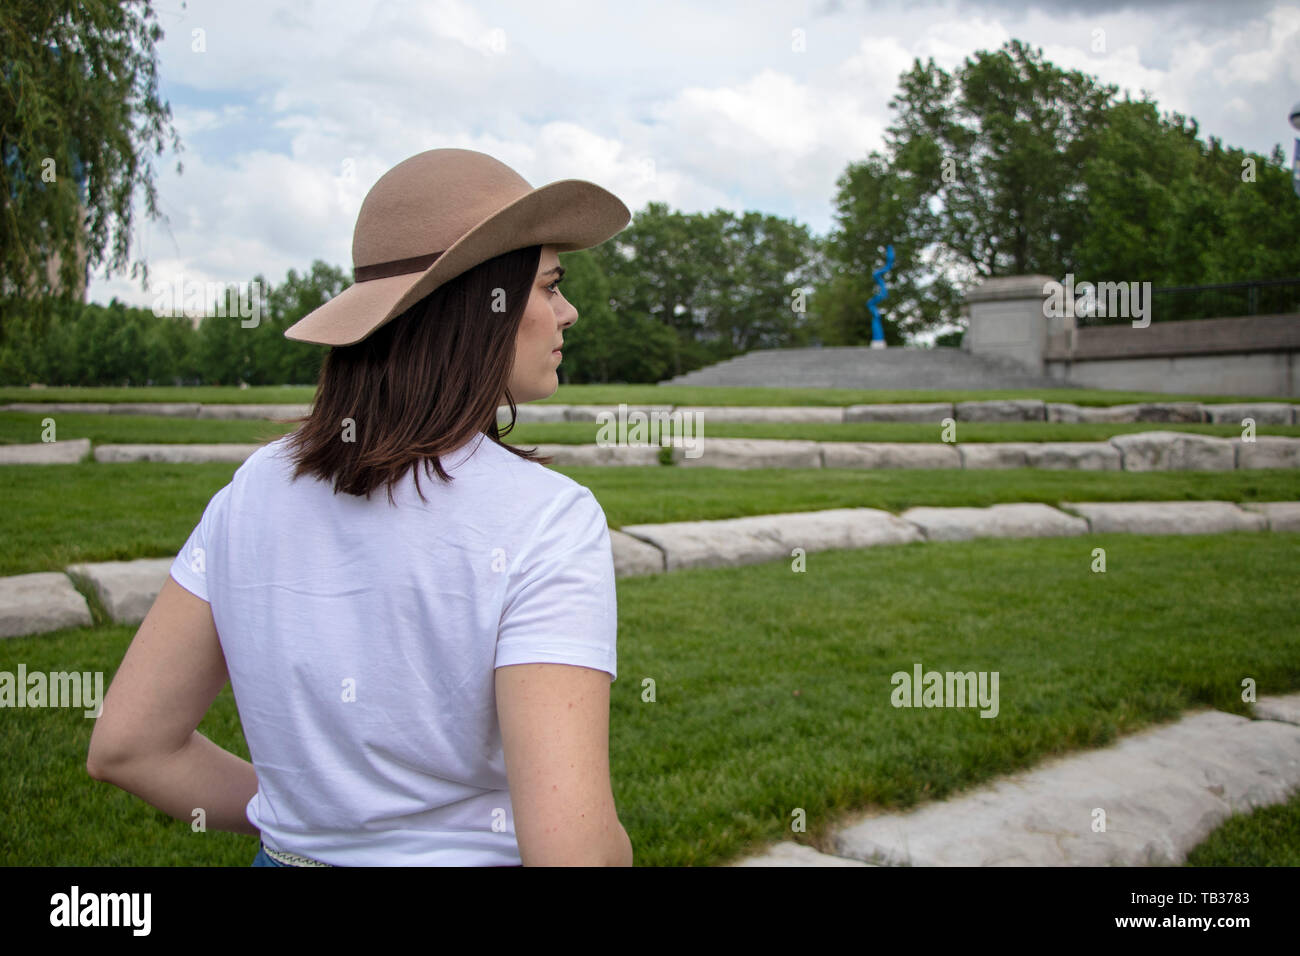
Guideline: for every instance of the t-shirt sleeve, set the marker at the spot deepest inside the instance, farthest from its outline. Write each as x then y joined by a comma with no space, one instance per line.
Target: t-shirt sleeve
560,605
190,567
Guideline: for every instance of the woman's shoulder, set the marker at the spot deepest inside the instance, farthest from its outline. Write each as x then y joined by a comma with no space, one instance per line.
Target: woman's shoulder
529,482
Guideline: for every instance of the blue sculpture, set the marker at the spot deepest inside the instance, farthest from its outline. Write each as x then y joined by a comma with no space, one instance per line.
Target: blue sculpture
877,331
1295,169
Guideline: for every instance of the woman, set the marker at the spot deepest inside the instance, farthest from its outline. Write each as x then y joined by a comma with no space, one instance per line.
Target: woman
422,679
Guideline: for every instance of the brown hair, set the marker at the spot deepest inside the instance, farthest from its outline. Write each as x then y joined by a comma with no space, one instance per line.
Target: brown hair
421,385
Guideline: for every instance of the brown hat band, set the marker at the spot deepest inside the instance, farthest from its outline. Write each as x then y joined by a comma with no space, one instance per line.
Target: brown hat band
397,267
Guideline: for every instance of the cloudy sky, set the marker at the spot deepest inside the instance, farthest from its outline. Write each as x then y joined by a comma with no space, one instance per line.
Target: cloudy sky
289,111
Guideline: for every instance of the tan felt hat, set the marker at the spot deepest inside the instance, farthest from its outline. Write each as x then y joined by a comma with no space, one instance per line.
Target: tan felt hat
437,215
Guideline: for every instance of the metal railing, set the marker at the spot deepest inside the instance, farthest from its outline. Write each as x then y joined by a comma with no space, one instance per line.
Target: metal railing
1223,300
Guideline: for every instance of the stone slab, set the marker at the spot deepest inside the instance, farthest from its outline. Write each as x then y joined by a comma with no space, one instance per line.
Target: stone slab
1076,414
613,455
633,556
1166,517
127,588
41,602
1268,451
178,454
1285,709
920,412
789,853
1056,456
1004,410
1264,413
54,408
1281,515
760,415
528,414
67,452
589,413
1020,520
230,412
744,453
994,454
1175,451
164,409
1163,792
850,454
1184,412
752,540
1075,455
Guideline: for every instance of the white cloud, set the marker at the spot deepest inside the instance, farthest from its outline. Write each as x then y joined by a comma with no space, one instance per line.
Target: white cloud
300,107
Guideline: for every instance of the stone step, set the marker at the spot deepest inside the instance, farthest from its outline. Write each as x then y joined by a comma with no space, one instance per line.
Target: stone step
67,452
40,602
1141,451
126,588
992,410
1052,811
234,412
565,456
1280,515
737,541
756,539
183,454
858,367
789,853
1167,517
129,588
1147,801
1029,520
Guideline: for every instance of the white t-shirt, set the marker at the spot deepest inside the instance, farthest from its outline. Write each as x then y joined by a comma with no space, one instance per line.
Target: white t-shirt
361,639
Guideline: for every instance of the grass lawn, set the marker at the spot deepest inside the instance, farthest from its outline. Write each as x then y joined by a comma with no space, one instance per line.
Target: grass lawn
206,394
20,428
633,394
57,515
772,689
26,428
1268,837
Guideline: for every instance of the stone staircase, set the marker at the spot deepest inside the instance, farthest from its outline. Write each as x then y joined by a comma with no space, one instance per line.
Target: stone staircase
863,367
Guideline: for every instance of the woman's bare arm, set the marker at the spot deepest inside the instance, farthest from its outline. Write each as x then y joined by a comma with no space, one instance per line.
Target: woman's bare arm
555,731
145,740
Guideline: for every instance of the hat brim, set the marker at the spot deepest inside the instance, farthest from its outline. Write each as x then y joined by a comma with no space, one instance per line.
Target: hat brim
569,214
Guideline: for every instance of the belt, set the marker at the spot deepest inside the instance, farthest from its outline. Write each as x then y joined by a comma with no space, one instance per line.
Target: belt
291,859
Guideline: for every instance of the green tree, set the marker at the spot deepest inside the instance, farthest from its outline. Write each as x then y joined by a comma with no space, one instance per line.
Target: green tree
609,343
80,90
750,304
1012,166
224,349
980,177
1166,208
281,361
659,267
591,342
167,352
717,284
